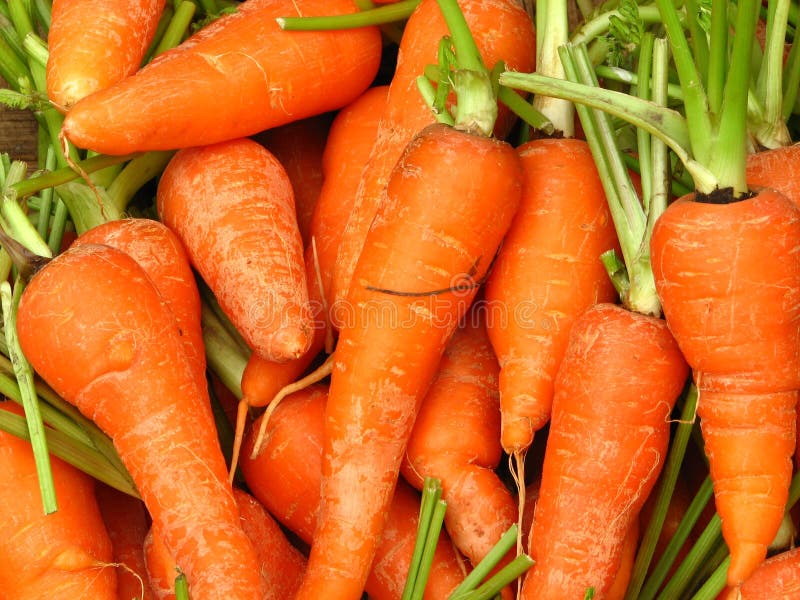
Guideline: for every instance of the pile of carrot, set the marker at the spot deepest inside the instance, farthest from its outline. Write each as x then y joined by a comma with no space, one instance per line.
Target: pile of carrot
391,300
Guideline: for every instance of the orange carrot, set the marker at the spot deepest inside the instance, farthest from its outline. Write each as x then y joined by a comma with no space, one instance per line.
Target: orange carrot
778,169
62,555
127,523
608,436
456,439
94,327
729,282
160,253
224,82
232,206
299,147
161,568
286,476
623,575
404,306
777,577
94,44
502,30
547,272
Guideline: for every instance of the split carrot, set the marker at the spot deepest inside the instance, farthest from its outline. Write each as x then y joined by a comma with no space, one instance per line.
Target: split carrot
94,44
502,30
456,439
62,555
232,206
225,82
114,351
286,477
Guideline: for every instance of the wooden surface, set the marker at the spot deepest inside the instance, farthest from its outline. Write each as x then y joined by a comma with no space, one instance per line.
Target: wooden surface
18,134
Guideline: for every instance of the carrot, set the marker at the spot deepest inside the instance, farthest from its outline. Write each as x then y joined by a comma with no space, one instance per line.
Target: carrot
161,254
225,82
609,431
623,575
456,440
62,555
286,477
299,147
127,523
747,377
232,206
778,169
160,565
94,44
777,577
548,272
93,326
503,31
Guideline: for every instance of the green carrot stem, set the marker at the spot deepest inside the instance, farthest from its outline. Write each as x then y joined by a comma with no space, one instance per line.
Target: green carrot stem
469,58
552,29
225,356
177,28
20,17
181,587
46,198
429,549
473,579
643,139
10,35
389,13
58,226
24,374
13,69
715,583
163,22
697,37
504,577
791,79
431,496
621,75
769,85
718,54
43,10
15,222
525,111
134,175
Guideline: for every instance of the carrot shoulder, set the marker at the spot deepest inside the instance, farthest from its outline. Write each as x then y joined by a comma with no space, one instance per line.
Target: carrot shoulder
93,326
225,81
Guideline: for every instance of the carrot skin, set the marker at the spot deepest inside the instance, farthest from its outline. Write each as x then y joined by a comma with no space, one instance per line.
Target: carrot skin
608,437
548,271
777,577
63,555
94,44
232,206
121,361
225,83
777,169
729,282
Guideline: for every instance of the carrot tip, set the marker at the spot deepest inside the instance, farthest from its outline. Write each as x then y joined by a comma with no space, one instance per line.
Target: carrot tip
290,343
745,558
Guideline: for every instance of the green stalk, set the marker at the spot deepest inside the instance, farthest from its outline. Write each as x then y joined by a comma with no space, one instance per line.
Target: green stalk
46,204
621,75
791,79
599,25
697,36
552,32
388,13
13,69
15,222
492,587
181,587
715,583
226,358
20,17
134,176
773,132
177,27
473,579
428,530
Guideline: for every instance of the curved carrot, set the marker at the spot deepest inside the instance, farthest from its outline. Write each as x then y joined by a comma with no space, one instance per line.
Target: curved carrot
286,477
405,305
608,436
62,555
94,44
94,327
547,272
729,282
456,439
232,206
502,31
777,577
161,254
225,82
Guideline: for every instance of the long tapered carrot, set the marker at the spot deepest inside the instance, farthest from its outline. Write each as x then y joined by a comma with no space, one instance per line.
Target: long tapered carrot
609,431
232,206
546,274
61,555
502,30
732,304
456,439
94,44
92,324
286,477
237,76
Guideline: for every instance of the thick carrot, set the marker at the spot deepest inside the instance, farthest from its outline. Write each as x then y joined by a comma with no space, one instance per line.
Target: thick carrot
225,81
62,555
547,272
232,206
502,30
161,254
778,169
92,324
299,147
609,431
286,477
160,565
433,238
127,523
729,280
456,439
777,577
94,44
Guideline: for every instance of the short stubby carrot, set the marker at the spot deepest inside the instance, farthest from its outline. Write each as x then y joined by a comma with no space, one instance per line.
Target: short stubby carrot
224,82
547,272
232,206
432,240
94,327
729,281
61,555
502,31
93,44
608,437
